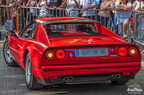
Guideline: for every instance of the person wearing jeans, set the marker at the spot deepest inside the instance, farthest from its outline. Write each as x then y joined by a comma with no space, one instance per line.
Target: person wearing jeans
104,13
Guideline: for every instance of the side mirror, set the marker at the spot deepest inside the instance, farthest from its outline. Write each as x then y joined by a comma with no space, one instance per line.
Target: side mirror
11,33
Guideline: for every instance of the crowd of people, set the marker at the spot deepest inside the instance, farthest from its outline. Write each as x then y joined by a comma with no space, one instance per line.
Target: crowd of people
104,14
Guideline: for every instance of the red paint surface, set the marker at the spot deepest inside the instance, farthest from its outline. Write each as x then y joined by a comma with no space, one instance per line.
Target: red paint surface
72,65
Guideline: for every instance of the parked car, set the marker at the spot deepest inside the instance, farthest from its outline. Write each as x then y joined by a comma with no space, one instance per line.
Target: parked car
69,50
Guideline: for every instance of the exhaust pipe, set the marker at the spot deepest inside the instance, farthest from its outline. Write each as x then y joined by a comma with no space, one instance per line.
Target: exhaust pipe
118,75
70,78
113,76
67,79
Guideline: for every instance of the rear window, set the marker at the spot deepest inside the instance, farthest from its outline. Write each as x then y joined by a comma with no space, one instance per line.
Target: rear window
71,30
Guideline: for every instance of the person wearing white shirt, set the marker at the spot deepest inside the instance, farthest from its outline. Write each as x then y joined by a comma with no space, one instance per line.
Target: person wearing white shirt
138,5
85,5
56,12
88,4
123,16
104,13
44,4
71,4
32,13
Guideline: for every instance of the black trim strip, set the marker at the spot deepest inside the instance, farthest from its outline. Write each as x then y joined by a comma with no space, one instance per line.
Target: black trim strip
58,35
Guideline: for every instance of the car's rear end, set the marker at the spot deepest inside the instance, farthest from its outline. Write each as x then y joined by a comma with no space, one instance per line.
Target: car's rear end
89,60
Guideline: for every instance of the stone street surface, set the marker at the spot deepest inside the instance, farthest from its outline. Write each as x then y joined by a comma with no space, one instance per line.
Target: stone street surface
12,82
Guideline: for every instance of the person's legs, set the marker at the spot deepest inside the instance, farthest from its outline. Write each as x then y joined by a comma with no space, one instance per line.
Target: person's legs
143,35
115,26
109,23
0,36
120,29
103,20
125,28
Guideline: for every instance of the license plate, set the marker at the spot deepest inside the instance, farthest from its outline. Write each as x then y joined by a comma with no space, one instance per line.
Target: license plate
91,52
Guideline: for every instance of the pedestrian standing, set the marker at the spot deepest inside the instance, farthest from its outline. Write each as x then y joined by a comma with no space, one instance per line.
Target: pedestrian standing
138,5
123,16
44,4
71,4
141,27
21,12
54,11
32,14
1,2
88,4
105,11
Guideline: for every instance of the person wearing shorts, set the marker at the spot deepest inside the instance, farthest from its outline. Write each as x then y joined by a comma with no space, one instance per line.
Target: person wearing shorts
123,16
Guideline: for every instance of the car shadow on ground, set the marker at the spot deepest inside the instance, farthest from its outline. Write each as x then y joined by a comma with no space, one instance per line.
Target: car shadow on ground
103,88
99,88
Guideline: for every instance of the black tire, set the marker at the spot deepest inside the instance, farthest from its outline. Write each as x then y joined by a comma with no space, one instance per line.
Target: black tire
120,82
31,81
7,55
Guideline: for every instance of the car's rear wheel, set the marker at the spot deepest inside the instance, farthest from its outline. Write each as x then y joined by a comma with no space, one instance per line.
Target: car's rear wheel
120,82
7,55
31,81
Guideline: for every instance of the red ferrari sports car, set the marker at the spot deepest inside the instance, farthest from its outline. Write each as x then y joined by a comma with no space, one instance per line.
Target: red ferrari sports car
70,50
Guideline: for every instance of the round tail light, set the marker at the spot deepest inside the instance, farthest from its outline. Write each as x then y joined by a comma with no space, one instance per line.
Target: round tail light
60,54
132,51
122,51
50,54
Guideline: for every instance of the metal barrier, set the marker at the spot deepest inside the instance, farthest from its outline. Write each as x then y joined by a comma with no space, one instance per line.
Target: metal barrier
138,35
94,16
5,14
22,15
26,14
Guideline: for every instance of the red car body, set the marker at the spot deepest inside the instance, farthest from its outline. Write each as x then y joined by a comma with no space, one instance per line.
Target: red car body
118,64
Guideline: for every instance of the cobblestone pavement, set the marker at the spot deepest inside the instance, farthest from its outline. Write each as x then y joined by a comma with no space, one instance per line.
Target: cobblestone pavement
12,82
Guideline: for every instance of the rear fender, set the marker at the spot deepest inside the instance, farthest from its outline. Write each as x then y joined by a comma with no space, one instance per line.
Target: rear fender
35,51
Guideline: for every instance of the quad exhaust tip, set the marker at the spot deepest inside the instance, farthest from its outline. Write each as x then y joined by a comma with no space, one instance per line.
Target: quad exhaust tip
68,79
115,76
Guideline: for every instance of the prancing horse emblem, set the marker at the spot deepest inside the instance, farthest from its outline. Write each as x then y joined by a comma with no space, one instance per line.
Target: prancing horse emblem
89,41
71,55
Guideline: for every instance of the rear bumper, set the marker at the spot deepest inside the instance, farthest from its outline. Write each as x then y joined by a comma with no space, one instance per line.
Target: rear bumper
81,79
48,74
45,72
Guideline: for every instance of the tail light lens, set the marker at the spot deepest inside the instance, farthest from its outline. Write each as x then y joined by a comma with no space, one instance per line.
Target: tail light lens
50,54
60,54
122,51
132,51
